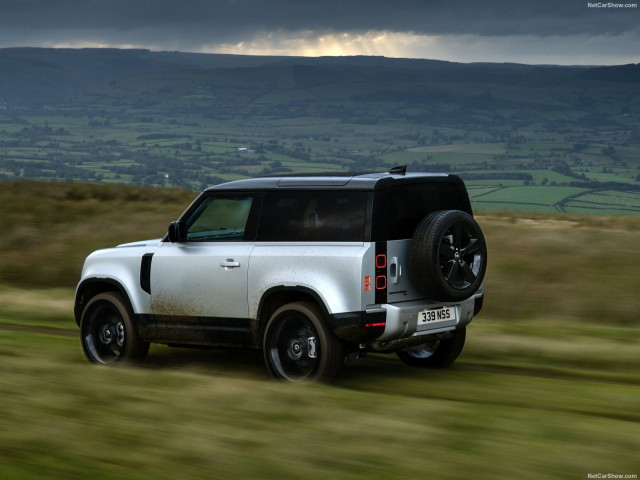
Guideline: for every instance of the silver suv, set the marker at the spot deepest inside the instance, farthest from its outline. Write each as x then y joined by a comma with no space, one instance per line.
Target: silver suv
311,269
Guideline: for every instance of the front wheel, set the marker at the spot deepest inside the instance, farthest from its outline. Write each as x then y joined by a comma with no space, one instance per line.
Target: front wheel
298,346
438,352
107,331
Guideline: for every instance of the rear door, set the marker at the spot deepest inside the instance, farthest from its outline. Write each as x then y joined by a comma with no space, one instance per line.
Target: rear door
407,205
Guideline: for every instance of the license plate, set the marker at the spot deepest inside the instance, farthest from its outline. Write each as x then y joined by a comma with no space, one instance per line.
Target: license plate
436,315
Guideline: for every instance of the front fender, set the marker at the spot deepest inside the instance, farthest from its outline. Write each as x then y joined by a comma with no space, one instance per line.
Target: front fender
119,268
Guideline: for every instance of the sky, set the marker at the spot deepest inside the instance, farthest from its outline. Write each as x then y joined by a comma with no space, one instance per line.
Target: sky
564,32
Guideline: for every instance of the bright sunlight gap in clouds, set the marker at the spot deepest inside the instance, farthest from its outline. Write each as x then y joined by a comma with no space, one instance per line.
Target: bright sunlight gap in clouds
577,49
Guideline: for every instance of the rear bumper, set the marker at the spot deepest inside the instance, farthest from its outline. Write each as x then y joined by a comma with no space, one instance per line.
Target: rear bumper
402,317
394,321
358,327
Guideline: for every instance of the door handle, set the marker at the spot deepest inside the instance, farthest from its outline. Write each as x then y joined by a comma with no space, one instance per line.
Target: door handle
229,263
395,270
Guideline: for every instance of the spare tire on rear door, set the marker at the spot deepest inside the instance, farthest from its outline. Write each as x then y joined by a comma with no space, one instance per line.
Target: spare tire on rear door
448,255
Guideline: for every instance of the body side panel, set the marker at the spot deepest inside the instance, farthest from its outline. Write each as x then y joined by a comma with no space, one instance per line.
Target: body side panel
330,269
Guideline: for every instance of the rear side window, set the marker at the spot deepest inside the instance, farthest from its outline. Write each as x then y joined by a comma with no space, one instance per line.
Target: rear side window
409,204
313,216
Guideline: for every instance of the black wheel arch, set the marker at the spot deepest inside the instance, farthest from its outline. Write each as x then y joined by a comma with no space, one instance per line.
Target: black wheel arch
275,297
91,287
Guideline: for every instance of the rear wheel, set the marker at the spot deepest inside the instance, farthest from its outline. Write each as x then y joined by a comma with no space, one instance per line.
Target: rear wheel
298,345
108,334
438,352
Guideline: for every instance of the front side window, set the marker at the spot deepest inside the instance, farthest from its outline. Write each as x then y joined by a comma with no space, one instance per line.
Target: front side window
219,219
313,215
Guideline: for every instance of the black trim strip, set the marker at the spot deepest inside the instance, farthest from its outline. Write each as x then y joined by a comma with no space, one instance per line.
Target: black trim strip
194,330
379,217
216,331
477,305
368,217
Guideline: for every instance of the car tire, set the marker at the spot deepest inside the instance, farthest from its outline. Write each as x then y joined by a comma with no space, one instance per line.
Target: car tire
107,332
298,345
438,353
448,256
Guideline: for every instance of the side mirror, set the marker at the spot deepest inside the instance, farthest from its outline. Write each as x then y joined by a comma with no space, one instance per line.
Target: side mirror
177,232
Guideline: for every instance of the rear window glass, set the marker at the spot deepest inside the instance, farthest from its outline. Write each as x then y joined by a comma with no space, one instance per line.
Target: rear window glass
304,216
409,204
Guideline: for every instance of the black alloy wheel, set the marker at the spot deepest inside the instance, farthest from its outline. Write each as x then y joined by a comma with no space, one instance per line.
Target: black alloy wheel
298,346
107,332
448,255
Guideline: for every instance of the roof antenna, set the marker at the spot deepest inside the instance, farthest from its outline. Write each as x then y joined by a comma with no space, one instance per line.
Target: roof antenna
399,170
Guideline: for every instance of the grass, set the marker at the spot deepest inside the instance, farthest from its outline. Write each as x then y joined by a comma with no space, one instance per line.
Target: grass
546,387
49,228
197,414
577,267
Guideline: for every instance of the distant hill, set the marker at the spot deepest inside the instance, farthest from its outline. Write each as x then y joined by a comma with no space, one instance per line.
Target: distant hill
44,75
621,73
36,76
365,88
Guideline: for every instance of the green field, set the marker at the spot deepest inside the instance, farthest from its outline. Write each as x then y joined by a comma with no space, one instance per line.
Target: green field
536,175
546,388
606,202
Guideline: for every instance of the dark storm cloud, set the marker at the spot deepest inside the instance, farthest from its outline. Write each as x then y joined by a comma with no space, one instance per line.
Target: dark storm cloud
193,22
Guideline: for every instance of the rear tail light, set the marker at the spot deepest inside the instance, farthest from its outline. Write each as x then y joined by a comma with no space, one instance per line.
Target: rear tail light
380,278
378,324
